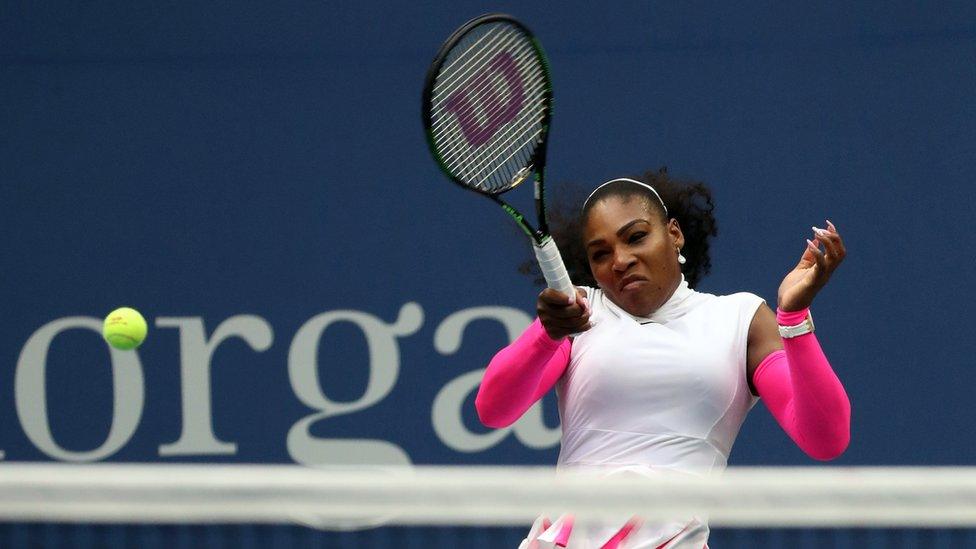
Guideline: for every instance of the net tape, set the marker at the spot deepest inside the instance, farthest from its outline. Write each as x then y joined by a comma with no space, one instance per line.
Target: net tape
338,497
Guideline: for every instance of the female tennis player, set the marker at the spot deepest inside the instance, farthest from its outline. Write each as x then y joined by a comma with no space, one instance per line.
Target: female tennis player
655,377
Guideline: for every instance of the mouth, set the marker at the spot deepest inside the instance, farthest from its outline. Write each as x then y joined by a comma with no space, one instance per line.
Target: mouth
631,282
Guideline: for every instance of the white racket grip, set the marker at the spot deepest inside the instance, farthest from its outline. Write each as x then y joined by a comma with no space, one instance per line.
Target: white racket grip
553,268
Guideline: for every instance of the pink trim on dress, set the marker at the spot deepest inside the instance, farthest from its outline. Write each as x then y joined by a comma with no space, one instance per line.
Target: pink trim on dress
562,538
621,535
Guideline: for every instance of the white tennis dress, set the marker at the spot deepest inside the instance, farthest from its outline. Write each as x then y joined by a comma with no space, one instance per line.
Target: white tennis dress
665,394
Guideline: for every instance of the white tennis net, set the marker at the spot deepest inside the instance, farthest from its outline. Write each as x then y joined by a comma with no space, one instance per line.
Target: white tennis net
811,497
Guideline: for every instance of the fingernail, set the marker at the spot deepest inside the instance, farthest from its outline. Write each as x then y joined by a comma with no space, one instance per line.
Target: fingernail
820,232
811,244
831,225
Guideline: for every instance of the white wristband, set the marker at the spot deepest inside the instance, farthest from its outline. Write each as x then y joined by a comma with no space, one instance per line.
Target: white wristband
805,327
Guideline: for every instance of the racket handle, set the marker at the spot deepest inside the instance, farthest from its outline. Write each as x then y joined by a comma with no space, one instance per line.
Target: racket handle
553,268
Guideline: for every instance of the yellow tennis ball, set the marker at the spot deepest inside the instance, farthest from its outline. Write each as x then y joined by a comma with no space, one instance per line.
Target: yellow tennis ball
124,328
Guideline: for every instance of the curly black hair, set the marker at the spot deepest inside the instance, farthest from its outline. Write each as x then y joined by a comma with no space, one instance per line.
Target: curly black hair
688,202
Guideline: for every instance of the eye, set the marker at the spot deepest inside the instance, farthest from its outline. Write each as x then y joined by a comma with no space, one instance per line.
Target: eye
636,236
598,255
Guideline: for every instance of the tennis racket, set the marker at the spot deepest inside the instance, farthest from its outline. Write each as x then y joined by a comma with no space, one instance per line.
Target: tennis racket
487,107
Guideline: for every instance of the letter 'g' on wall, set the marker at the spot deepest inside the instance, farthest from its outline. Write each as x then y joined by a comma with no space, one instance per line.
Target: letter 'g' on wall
384,368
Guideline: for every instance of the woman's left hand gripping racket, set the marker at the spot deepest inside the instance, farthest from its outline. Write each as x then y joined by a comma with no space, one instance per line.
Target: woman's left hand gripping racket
487,109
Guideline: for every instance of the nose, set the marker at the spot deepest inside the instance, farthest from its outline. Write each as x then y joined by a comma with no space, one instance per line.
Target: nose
623,261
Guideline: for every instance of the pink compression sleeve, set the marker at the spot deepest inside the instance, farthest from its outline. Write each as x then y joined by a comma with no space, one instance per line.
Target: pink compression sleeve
803,393
519,375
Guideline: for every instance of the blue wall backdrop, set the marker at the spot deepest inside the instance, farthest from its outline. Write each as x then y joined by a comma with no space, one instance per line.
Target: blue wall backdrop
253,177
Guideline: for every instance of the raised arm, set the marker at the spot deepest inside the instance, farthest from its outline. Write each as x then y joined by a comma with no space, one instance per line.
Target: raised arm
791,373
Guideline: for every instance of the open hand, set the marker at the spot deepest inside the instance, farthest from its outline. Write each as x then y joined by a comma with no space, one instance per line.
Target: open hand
813,271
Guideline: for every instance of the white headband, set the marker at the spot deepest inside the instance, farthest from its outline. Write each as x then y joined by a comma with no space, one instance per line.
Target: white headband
645,185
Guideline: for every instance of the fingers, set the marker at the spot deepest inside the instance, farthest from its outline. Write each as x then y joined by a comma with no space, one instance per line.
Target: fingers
580,294
841,251
813,248
555,304
558,303
561,318
814,269
834,250
558,329
809,257
555,296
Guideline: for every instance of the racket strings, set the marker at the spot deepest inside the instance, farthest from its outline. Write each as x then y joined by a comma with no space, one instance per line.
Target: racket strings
478,94
496,166
515,140
521,146
477,169
450,81
491,175
452,134
449,72
507,178
490,166
481,169
444,127
463,76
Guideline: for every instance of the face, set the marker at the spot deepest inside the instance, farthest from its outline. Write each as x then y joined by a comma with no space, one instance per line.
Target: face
633,253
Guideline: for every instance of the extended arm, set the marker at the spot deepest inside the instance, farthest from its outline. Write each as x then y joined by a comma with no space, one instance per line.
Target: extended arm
519,375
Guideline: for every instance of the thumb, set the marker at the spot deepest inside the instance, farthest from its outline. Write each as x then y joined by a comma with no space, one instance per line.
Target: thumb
581,298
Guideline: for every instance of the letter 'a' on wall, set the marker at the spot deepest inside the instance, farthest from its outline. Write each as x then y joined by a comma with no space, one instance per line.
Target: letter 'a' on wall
447,413
30,392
